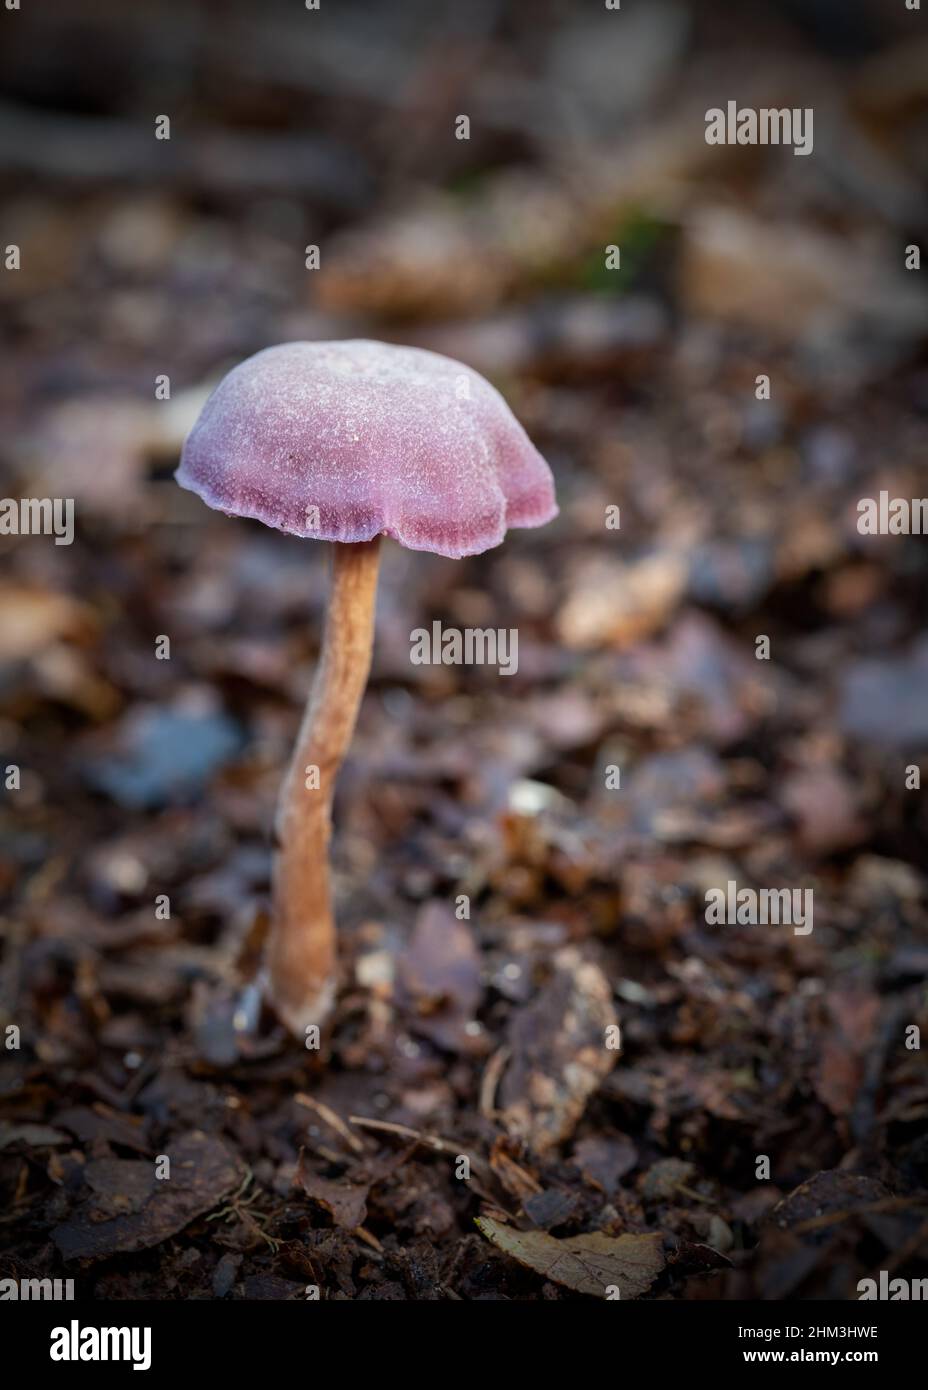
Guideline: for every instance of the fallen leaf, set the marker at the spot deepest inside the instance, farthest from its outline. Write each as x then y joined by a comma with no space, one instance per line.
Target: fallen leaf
826,1198
587,1264
439,978
30,1135
559,1053
345,1202
605,1160
92,449
131,1209
517,1181
100,1122
663,1180
788,280
550,1208
615,605
883,698
31,620
163,755
854,1014
825,805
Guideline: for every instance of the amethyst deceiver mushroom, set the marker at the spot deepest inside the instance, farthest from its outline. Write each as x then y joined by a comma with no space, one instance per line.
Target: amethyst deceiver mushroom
348,442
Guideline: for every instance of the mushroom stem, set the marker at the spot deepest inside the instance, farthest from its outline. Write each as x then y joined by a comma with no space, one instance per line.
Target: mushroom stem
301,953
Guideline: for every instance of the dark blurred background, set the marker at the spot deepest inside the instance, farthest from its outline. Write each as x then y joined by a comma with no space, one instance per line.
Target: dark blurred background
144,258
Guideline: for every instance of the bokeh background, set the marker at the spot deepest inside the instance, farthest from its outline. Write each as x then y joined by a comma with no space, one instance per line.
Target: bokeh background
143,777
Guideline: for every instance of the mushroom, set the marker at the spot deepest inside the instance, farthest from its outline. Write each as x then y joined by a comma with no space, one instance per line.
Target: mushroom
348,442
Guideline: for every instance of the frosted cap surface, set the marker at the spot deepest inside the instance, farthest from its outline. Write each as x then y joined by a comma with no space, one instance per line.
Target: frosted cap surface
344,441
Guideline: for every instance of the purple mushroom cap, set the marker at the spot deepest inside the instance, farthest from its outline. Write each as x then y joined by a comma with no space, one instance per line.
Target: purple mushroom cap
345,441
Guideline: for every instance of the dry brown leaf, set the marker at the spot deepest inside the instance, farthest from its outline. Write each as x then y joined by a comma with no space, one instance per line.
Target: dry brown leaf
788,279
854,1014
130,1209
559,1053
31,1136
517,1181
439,977
345,1202
616,605
31,620
588,1264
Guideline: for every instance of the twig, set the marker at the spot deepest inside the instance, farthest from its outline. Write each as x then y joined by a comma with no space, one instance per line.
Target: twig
831,1218
368,1239
331,1119
429,1141
489,1082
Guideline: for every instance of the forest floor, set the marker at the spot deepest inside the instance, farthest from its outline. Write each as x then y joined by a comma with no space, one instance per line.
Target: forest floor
462,1132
